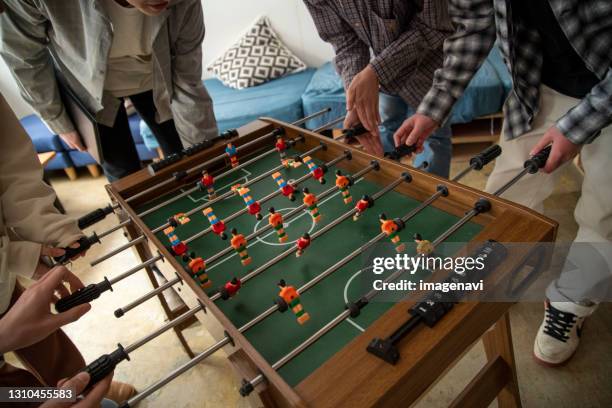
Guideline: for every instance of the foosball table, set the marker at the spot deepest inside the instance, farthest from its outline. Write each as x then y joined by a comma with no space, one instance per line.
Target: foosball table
262,235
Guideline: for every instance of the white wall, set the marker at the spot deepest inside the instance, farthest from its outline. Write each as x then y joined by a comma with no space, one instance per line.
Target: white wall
226,21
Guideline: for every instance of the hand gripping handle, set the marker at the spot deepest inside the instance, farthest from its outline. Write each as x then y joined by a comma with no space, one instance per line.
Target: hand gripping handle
538,160
82,296
95,216
84,244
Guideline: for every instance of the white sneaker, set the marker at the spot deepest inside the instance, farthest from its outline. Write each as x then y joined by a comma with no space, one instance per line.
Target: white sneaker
559,333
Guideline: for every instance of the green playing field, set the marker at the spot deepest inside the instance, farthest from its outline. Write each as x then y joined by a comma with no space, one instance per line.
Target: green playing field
280,333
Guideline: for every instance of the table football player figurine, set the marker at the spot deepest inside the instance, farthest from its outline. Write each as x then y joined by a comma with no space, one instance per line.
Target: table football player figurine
286,188
217,225
239,243
281,148
207,182
177,247
180,218
343,183
231,152
310,201
197,269
362,205
316,171
423,246
391,229
253,206
276,221
302,243
231,288
291,298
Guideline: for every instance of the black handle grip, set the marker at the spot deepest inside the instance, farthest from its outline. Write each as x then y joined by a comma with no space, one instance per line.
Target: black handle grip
165,162
538,160
350,133
198,147
485,157
95,216
82,296
401,151
104,365
84,244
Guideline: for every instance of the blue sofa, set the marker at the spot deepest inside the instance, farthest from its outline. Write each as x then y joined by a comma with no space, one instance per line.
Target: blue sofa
485,94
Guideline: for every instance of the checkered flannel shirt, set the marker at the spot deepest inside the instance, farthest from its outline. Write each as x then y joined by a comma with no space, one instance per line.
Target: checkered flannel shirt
588,26
404,36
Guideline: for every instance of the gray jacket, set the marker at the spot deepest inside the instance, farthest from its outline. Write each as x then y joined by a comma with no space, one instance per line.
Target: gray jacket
78,34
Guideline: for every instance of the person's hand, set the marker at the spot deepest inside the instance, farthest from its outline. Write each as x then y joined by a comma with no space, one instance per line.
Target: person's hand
562,149
78,383
73,140
46,251
362,98
30,319
370,142
415,130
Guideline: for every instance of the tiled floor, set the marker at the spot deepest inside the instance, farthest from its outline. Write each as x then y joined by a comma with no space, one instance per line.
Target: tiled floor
586,381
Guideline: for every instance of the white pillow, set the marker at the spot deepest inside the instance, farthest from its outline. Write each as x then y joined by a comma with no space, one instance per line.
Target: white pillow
258,57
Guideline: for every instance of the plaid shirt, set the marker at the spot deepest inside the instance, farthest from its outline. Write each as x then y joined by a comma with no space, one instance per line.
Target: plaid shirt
586,23
405,38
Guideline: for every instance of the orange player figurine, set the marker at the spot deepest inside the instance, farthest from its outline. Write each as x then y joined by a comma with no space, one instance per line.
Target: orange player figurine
207,182
391,229
239,243
286,188
310,201
276,221
302,243
363,204
217,225
423,247
231,152
343,183
180,218
197,268
281,148
231,288
289,297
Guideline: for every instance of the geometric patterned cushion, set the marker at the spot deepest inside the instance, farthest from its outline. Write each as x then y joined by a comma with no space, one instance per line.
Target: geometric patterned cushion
258,57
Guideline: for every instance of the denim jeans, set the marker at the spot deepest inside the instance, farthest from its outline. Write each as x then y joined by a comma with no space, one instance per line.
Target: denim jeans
437,148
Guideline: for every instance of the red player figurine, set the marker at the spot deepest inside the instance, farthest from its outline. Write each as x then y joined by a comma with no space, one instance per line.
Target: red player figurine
217,226
281,148
286,188
363,204
207,182
230,289
302,243
231,152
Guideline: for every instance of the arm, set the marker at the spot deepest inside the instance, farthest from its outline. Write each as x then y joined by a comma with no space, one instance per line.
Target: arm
464,52
582,123
427,31
352,54
23,47
191,106
27,201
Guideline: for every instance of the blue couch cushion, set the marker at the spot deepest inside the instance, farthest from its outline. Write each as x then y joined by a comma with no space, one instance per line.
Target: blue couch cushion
325,90
280,99
42,138
81,159
60,161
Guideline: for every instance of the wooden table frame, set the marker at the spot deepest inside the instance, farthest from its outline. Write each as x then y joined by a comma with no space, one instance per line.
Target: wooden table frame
352,377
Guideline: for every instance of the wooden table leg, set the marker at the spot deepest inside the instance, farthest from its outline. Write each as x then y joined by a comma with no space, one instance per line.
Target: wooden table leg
498,343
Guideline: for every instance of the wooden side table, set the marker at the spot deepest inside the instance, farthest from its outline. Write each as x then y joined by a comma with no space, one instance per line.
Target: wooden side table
44,159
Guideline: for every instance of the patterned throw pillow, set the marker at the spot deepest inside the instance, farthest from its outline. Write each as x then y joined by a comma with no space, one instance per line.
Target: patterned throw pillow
258,57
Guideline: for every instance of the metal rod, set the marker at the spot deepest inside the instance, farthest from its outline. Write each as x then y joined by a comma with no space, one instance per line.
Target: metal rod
314,236
122,310
176,372
231,193
135,269
462,173
169,325
115,251
216,159
509,184
329,124
115,228
357,176
196,188
311,116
